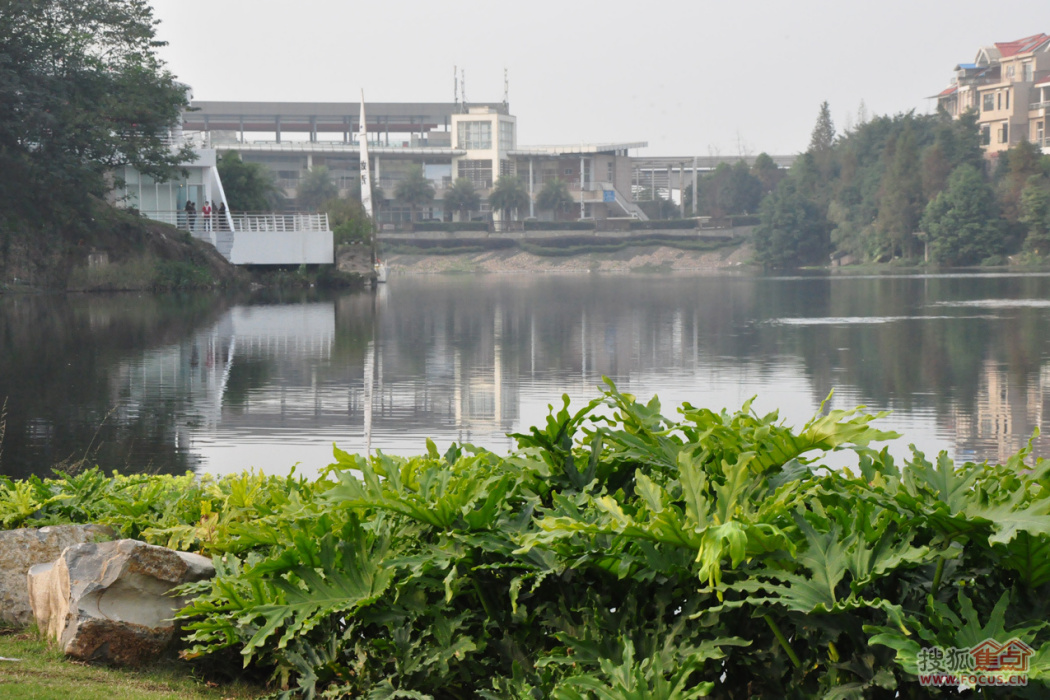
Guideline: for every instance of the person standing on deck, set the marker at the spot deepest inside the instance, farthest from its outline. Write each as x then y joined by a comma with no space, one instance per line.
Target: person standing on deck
206,211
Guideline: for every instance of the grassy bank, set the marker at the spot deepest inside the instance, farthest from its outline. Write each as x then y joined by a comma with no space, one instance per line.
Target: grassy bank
43,673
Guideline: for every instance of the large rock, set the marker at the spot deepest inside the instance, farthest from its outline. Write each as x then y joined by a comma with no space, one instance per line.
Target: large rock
21,549
112,601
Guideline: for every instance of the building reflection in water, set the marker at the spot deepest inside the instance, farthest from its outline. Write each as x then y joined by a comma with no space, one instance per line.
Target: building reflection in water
471,360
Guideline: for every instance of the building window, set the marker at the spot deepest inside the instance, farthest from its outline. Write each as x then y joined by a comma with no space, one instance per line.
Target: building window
998,100
1004,133
479,172
505,168
567,171
475,136
612,171
1010,71
1008,99
986,135
1039,132
988,102
506,135
1028,74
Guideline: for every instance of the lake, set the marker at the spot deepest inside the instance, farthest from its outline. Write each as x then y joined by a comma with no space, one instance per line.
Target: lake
219,384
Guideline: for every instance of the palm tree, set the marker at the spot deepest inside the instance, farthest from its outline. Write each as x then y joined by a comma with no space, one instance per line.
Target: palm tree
315,188
555,197
508,195
461,197
415,190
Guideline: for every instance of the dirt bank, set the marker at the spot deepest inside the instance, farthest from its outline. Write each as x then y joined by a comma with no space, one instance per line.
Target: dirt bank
109,250
634,259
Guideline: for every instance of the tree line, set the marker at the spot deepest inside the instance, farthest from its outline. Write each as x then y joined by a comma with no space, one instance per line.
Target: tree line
906,188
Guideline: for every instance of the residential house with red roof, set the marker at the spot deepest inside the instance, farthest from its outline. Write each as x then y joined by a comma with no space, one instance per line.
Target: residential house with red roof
1008,84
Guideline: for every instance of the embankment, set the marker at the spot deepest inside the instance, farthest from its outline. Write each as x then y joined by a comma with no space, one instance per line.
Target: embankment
567,251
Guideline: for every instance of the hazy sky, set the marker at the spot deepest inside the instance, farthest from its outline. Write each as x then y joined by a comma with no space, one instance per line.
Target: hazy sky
691,77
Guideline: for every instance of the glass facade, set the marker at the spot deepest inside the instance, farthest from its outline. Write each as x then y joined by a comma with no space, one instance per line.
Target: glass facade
506,135
475,135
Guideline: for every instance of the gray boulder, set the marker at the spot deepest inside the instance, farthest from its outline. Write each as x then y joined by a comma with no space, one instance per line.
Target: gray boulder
21,549
112,601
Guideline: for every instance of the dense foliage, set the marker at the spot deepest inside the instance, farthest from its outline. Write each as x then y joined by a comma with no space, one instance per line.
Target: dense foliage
248,186
617,554
883,191
81,92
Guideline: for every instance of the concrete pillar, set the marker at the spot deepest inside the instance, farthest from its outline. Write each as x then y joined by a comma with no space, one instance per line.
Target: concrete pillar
532,198
583,210
696,195
681,190
313,129
277,125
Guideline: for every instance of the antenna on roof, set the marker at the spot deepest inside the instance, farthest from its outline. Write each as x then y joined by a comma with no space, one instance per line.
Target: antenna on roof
463,87
506,90
455,86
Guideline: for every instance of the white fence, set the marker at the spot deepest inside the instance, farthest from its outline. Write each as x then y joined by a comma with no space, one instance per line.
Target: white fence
256,222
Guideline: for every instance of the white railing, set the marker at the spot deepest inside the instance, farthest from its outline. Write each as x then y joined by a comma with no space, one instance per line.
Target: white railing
279,223
1039,105
241,221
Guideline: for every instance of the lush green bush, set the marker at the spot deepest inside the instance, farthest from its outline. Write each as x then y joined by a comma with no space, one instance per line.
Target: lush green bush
617,553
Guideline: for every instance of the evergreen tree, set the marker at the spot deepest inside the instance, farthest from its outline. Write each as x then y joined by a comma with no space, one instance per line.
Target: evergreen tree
1018,164
901,205
248,186
414,190
767,172
823,136
462,198
1035,214
82,92
315,188
555,197
962,223
793,231
508,195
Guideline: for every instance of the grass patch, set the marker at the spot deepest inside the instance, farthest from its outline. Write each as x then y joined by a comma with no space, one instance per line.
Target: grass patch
43,673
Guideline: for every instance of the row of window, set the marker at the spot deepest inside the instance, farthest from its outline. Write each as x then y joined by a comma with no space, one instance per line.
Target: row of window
994,100
1002,132
478,135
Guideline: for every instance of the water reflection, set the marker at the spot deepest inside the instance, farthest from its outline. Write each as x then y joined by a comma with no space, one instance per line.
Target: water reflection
199,382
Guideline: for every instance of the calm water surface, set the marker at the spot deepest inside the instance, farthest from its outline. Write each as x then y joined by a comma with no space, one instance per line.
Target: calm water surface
214,384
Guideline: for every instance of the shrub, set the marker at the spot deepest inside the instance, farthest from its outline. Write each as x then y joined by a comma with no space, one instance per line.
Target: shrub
617,553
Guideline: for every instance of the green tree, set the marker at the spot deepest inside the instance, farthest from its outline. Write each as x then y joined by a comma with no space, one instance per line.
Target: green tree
1018,164
82,92
962,223
555,197
900,204
349,222
822,139
767,172
1035,214
414,190
793,231
508,195
462,198
315,188
248,186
